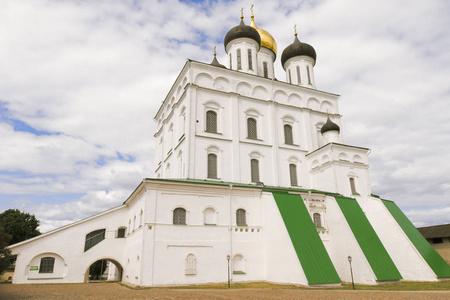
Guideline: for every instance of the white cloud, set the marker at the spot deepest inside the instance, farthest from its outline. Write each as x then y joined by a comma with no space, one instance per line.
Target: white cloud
93,74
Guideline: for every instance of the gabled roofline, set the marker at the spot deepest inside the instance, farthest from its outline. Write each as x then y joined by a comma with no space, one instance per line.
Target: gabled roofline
337,144
66,226
173,85
269,79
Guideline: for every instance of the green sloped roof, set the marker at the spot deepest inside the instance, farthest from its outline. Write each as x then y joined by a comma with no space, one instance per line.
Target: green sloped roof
310,250
433,259
374,251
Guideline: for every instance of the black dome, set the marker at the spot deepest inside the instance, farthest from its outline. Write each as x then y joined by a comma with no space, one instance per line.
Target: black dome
216,63
242,31
329,125
297,48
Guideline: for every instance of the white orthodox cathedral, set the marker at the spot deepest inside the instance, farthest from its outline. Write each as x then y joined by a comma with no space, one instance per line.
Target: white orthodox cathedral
253,182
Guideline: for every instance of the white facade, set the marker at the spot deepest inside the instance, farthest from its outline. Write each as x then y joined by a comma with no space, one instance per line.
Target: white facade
225,139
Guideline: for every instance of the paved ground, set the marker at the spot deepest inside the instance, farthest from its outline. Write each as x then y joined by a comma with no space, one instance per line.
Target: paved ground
116,291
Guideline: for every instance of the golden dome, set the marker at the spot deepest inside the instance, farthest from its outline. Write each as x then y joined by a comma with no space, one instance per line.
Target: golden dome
267,40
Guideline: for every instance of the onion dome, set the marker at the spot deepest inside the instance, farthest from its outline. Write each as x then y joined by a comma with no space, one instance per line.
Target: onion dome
267,41
215,62
242,31
298,48
329,126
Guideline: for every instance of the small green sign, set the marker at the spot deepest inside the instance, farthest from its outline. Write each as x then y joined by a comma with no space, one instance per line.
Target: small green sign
34,268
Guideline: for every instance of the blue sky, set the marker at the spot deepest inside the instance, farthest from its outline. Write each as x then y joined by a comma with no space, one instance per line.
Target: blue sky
82,80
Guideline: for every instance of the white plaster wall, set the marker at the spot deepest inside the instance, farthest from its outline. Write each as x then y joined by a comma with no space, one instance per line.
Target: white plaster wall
244,44
170,244
342,243
266,55
281,261
303,62
408,260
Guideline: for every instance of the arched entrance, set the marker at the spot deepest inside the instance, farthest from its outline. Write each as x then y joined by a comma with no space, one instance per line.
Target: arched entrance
104,270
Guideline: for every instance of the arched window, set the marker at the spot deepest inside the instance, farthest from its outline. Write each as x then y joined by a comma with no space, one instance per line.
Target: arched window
293,174
317,220
353,186
241,217
121,232
254,168
250,62
252,131
238,264
47,264
299,78
179,216
209,216
288,136
290,77
212,165
191,265
239,63
211,121
93,238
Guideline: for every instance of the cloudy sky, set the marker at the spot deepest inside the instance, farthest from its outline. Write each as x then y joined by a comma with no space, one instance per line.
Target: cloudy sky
80,83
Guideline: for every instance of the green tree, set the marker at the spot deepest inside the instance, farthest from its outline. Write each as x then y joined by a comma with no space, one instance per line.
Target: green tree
5,254
20,225
97,269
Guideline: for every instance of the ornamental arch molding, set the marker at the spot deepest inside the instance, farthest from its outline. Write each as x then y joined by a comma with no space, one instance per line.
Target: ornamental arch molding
204,80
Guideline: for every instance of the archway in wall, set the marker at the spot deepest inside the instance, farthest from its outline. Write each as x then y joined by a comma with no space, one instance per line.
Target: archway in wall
104,270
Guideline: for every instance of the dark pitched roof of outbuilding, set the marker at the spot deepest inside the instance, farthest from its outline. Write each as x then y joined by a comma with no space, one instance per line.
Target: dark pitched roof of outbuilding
435,231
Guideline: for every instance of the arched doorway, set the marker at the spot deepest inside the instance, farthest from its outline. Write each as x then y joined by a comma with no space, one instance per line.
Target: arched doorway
104,270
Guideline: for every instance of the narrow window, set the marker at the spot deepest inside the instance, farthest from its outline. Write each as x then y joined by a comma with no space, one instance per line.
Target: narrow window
299,78
250,62
93,238
238,54
241,218
212,165
211,121
266,72
121,232
191,262
47,265
288,136
231,62
254,167
252,132
290,77
179,216
352,185
293,174
309,75
317,221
